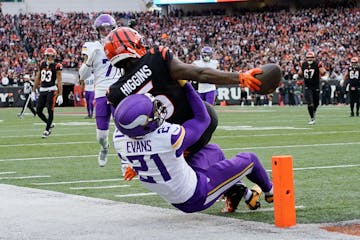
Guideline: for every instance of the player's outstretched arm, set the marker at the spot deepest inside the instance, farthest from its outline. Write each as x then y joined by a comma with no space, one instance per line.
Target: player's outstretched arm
180,70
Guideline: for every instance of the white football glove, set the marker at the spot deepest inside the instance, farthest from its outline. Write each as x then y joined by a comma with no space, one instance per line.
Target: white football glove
33,96
59,100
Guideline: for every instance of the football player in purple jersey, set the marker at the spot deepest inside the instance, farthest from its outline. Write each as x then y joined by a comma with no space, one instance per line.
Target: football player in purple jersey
155,150
157,71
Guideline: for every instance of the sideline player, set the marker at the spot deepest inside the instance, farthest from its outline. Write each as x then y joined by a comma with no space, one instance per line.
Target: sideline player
50,81
154,148
207,91
311,70
104,75
28,85
87,85
352,77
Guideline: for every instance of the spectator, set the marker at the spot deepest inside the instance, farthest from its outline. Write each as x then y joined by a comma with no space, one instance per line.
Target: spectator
71,98
325,93
10,99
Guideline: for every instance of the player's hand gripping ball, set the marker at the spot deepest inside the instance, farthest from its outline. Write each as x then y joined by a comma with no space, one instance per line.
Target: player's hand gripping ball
270,78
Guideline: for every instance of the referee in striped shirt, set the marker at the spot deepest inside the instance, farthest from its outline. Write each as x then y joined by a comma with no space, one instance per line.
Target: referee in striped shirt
28,84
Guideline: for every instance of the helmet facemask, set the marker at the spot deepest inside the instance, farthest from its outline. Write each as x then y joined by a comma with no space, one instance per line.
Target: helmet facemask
206,54
138,115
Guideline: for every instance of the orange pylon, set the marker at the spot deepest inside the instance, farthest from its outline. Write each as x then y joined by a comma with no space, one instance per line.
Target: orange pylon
284,195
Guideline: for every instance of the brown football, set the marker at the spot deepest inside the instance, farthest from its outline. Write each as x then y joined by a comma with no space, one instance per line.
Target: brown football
270,78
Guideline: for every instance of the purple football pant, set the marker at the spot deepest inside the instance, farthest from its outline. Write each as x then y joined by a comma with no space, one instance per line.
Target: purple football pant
89,97
103,112
208,97
216,175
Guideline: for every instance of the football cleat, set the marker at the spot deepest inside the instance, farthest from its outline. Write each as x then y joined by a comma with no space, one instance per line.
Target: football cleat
21,116
312,121
51,127
253,202
102,158
269,198
233,197
45,134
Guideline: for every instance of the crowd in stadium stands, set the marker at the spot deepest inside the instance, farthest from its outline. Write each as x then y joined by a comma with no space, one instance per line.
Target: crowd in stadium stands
240,42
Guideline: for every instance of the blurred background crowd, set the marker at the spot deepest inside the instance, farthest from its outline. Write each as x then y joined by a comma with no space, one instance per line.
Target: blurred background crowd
241,41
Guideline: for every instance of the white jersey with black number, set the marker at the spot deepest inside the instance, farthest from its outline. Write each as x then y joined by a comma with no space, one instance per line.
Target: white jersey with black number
154,159
104,73
89,83
206,87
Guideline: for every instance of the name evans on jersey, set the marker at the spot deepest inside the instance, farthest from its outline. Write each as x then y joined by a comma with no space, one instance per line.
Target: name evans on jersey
138,146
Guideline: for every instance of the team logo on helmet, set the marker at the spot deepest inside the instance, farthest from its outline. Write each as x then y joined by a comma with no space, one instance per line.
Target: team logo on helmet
123,43
206,53
50,52
138,115
310,56
103,24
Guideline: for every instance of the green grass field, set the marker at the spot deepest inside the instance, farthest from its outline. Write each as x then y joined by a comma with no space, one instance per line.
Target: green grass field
326,158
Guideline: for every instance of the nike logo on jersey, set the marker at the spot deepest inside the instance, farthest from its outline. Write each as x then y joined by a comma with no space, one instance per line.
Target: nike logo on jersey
136,80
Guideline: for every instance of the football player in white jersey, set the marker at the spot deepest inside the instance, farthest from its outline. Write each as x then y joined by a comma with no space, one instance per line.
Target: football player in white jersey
104,75
87,85
154,149
207,91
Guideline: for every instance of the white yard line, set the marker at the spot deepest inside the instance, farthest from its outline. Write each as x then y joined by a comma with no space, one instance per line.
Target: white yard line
79,181
3,173
285,134
293,146
46,144
136,195
121,179
38,135
224,149
327,167
265,209
49,158
24,177
99,187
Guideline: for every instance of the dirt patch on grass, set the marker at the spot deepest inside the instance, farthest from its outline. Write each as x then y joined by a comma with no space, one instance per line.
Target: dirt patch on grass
351,229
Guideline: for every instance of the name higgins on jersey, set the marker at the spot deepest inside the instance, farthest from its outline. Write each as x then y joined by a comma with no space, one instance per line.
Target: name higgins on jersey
136,80
138,146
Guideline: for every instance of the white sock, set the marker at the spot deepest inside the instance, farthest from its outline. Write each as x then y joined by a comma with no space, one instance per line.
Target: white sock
248,194
271,192
102,137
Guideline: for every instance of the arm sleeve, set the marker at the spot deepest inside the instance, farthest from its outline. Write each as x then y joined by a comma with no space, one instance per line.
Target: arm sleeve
84,72
196,126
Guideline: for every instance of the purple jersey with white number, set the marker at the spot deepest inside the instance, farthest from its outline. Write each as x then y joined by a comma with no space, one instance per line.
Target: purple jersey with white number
154,159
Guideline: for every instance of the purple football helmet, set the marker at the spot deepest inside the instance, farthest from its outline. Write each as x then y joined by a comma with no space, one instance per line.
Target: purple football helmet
138,115
104,22
206,53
